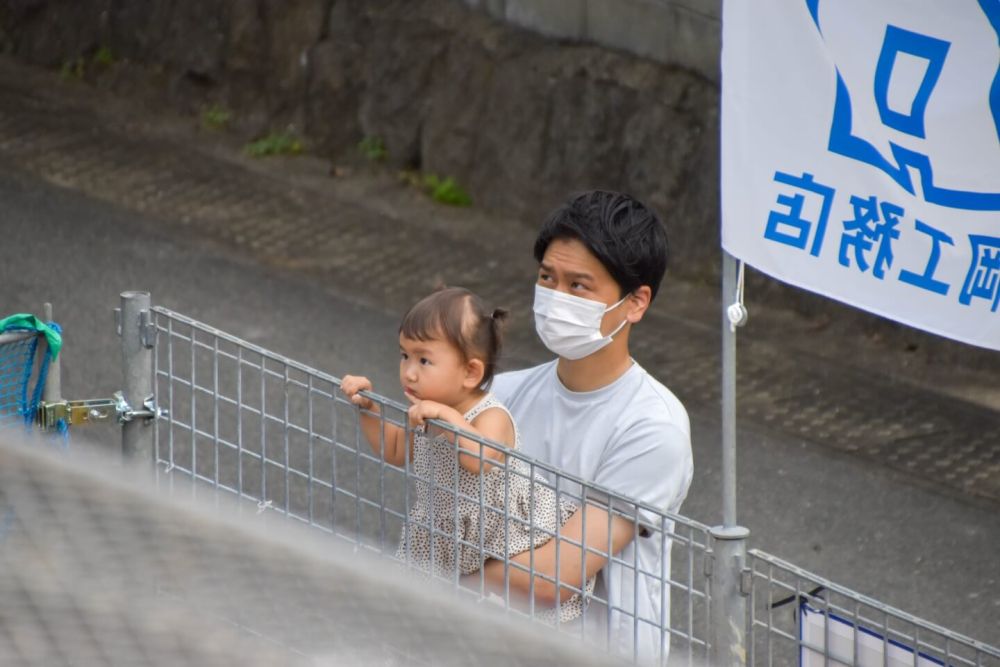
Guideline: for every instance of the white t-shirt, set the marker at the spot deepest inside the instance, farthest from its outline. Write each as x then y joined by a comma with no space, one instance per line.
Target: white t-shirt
632,437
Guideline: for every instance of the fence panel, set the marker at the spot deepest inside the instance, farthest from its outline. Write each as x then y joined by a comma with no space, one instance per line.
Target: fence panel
800,618
282,437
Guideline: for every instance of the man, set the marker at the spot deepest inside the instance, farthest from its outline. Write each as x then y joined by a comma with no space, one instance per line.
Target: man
594,413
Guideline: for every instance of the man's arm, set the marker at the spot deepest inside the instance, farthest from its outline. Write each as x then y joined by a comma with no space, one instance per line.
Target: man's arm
605,534
654,464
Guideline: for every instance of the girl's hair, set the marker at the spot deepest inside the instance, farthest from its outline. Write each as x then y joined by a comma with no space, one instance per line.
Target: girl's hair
459,317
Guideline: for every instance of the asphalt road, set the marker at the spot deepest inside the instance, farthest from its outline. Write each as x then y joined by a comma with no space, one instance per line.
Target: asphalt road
863,526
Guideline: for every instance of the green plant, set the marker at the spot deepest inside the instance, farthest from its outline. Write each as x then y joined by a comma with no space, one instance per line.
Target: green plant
276,143
373,148
103,56
446,190
73,69
216,117
410,177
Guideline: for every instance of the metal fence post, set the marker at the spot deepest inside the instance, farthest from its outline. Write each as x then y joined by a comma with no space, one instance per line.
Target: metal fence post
53,380
138,336
728,590
728,634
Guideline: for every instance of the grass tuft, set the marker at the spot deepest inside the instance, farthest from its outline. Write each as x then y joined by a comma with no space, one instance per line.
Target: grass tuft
276,143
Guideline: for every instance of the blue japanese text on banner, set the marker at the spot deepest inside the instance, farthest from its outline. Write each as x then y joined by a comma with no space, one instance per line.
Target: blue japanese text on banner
861,154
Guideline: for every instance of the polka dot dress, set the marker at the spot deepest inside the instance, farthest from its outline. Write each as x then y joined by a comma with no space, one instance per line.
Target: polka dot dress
448,497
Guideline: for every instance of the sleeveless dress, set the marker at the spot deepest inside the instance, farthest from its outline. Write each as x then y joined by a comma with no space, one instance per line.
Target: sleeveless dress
448,495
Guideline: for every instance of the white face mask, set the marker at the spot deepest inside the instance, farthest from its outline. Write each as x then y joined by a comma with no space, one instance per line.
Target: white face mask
570,326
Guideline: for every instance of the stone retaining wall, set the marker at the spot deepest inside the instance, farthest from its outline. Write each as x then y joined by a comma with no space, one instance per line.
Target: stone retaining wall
673,32
518,119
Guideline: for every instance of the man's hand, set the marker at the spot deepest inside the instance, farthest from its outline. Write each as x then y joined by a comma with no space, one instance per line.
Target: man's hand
351,385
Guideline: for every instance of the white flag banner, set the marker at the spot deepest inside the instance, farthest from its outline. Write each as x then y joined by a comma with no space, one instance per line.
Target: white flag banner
861,154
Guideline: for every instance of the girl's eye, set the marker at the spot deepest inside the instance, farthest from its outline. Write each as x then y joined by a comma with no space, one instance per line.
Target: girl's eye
425,361
403,356
578,286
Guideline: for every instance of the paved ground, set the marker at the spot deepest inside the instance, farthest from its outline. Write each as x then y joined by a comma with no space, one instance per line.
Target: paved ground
903,438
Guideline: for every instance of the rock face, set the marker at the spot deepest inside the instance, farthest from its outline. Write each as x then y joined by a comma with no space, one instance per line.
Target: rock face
518,120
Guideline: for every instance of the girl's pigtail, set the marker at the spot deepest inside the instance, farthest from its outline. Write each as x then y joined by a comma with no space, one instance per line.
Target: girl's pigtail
499,316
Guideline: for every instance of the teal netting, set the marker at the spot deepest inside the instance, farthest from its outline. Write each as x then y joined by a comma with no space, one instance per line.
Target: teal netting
22,380
17,396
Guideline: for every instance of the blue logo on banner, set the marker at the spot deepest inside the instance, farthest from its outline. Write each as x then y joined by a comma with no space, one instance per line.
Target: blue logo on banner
932,52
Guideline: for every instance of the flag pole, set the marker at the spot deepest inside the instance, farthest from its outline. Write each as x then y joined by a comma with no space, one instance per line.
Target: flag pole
729,287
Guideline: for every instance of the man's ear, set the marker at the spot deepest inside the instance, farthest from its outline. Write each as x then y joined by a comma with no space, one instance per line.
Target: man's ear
474,371
638,303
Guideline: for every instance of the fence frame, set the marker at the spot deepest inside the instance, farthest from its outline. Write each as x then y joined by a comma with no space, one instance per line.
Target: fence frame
729,595
866,615
690,536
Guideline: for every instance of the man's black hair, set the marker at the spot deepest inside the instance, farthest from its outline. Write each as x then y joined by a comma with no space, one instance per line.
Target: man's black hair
622,233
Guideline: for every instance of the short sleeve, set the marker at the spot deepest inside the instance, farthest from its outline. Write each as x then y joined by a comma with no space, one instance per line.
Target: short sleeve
650,463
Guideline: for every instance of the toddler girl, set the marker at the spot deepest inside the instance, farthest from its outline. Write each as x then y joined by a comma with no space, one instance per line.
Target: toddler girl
449,346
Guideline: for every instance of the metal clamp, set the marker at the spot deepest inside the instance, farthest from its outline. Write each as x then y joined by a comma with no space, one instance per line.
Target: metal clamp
85,411
746,581
149,412
93,410
147,327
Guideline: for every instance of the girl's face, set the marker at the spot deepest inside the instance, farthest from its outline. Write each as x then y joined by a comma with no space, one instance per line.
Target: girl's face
433,370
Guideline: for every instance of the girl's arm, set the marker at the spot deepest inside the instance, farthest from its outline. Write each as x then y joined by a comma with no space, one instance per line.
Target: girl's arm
492,424
373,425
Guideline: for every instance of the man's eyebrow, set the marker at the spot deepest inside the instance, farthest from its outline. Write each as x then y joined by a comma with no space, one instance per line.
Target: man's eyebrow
568,274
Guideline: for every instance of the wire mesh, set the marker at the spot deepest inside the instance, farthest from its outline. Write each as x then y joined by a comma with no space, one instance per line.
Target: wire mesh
281,437
798,618
17,362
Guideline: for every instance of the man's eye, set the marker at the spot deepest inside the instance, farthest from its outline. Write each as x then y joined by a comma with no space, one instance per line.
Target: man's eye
544,277
576,285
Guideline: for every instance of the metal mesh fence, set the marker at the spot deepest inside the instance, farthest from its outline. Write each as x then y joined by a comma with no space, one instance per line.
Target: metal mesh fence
293,562
99,567
798,618
17,361
281,437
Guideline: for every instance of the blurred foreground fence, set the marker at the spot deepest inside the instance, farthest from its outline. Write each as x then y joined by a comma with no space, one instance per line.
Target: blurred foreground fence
231,422
98,567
